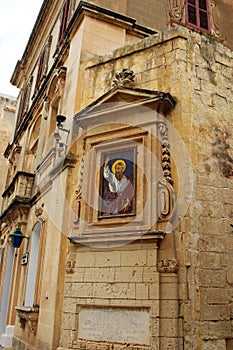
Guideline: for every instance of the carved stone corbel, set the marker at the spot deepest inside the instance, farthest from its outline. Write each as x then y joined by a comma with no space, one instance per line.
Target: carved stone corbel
33,326
70,266
168,265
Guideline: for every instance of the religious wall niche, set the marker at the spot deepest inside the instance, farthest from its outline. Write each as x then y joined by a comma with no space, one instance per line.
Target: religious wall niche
125,184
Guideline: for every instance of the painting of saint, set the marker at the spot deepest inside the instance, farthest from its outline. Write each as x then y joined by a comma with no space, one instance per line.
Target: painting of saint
118,191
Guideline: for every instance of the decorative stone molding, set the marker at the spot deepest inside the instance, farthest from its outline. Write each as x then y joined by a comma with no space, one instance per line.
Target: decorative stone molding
38,211
125,237
215,31
46,107
168,265
76,205
166,159
124,78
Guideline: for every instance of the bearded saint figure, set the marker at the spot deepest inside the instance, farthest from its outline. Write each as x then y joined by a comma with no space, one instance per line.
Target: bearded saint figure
119,192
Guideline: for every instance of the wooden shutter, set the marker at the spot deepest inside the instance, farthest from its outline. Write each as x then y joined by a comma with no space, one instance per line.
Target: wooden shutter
24,103
64,20
40,69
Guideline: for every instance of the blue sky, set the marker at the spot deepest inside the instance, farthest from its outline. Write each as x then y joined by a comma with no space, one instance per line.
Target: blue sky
17,18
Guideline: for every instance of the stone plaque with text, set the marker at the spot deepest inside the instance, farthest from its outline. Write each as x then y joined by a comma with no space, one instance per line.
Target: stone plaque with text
121,325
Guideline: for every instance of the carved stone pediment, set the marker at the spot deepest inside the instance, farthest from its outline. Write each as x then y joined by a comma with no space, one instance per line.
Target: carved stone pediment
120,98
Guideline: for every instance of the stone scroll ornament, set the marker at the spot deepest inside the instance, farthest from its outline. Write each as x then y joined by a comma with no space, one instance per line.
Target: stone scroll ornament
76,205
124,78
174,9
215,31
165,190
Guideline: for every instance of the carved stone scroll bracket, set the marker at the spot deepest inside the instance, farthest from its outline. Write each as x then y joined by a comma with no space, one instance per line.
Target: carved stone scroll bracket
124,78
166,199
168,265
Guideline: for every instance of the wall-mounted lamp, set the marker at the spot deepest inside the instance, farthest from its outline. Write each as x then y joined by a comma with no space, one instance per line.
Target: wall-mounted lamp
60,120
17,237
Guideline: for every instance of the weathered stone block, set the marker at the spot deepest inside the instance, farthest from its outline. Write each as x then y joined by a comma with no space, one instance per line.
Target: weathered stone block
209,260
214,345
142,291
168,327
103,274
128,274
169,308
133,258
215,312
113,290
215,330
217,296
150,274
212,278
169,343
107,258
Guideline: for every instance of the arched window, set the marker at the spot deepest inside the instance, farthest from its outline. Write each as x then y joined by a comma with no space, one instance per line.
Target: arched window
33,265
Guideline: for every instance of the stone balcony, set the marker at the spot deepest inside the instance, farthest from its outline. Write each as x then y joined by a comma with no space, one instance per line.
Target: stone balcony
19,191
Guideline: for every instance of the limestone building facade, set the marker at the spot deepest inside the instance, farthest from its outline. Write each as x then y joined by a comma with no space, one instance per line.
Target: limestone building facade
119,182
7,115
